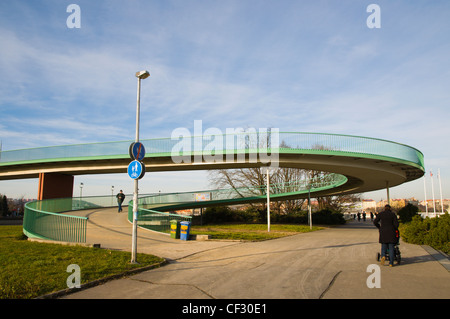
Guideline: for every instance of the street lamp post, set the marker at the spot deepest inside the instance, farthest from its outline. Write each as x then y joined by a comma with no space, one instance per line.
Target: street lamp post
140,75
309,207
81,194
112,194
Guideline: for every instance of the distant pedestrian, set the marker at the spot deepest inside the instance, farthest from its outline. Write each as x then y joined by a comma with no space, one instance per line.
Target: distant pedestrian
364,215
359,216
387,223
120,198
371,216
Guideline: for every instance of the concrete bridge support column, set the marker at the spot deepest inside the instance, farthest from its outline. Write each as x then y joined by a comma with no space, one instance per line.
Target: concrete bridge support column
55,185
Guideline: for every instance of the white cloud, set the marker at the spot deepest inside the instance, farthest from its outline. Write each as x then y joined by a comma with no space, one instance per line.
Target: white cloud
295,66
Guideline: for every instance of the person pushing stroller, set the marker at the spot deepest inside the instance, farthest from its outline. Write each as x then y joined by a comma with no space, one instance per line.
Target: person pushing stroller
387,223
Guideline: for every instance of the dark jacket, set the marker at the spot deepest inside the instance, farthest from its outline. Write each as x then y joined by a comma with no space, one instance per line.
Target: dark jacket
120,197
388,227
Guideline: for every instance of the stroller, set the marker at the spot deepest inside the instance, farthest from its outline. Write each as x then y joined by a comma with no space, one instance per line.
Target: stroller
397,254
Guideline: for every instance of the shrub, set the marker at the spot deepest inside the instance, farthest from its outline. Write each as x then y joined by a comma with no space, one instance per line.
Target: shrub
215,215
328,217
292,218
415,231
251,215
408,212
323,217
434,232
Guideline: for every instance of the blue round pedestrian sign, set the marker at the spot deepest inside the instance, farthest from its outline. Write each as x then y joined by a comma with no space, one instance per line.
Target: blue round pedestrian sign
137,151
136,170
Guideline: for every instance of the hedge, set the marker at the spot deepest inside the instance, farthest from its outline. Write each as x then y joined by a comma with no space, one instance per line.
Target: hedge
214,215
407,213
434,232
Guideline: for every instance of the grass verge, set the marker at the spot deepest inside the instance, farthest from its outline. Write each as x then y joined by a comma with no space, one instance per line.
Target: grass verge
31,269
252,232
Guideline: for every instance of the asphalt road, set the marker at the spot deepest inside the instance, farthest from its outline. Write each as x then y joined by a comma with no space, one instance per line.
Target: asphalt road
333,263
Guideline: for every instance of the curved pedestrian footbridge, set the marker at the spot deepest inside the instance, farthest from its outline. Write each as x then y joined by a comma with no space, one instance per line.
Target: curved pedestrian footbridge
359,164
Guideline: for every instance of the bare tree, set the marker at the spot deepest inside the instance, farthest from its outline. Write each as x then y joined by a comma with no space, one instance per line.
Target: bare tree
252,182
288,180
244,181
336,202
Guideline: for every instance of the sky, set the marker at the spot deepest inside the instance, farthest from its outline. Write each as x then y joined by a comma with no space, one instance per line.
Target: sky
295,65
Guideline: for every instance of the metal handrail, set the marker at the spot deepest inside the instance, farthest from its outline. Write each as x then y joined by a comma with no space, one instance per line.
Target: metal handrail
237,143
47,219
289,142
42,219
152,211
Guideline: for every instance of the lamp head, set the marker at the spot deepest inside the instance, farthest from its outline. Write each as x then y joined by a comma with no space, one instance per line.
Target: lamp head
142,74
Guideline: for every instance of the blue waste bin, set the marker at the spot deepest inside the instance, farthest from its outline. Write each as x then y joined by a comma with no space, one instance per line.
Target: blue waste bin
185,229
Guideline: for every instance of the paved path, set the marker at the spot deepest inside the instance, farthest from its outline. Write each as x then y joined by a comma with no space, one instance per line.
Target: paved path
330,263
113,231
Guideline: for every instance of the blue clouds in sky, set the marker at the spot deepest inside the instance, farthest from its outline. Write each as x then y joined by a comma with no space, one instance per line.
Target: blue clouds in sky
295,65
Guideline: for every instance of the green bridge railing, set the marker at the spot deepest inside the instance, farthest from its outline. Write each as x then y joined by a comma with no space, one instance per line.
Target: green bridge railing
152,209
47,219
155,220
44,219
289,142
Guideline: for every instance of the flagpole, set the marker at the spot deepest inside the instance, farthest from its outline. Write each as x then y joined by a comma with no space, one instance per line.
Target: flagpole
432,191
440,191
268,200
425,192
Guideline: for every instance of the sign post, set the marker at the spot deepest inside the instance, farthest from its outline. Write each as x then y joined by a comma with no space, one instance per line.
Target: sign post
136,169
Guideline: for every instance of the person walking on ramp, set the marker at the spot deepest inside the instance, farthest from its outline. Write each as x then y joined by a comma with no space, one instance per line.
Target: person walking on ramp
120,198
387,223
